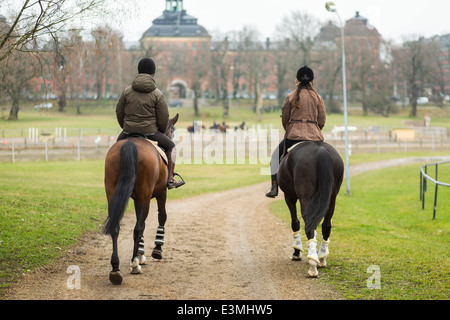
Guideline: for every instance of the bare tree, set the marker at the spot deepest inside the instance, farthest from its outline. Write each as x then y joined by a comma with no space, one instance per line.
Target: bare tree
107,47
411,62
302,29
197,72
16,71
33,21
285,69
365,63
253,55
221,63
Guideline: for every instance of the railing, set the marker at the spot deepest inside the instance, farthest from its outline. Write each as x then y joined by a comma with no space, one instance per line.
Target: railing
423,184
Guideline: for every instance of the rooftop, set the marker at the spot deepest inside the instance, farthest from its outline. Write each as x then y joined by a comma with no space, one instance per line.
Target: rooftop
175,22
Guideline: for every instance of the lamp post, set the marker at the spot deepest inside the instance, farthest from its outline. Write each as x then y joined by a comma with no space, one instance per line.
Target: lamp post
331,7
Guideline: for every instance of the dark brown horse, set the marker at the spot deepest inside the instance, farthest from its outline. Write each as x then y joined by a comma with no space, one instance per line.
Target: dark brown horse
134,168
312,173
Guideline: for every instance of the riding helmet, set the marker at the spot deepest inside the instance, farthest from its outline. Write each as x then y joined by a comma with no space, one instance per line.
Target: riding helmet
305,74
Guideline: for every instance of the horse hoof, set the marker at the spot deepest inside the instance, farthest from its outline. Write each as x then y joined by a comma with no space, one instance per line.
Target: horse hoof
142,259
157,254
135,267
137,270
322,263
296,257
312,272
115,277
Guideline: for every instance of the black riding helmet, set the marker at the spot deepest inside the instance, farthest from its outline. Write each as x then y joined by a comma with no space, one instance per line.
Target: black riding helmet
305,74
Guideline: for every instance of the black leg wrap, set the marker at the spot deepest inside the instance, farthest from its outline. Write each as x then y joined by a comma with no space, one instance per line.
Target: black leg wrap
141,246
159,240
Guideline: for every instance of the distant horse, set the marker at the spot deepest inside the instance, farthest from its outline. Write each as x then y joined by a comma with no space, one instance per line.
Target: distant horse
220,127
311,172
134,168
191,129
242,127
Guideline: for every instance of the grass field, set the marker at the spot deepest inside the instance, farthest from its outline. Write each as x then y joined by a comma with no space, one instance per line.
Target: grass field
104,118
382,224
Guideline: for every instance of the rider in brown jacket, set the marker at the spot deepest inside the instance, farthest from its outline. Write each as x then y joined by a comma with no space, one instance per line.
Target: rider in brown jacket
303,117
142,109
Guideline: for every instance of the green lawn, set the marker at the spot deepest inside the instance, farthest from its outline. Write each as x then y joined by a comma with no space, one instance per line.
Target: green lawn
103,117
382,224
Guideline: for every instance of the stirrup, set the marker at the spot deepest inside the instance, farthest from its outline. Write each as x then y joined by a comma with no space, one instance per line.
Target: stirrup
177,184
272,193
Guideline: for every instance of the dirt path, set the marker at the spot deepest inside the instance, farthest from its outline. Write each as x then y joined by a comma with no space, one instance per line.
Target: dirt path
221,246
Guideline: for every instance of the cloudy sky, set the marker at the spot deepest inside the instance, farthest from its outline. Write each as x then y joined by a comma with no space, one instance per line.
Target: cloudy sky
393,18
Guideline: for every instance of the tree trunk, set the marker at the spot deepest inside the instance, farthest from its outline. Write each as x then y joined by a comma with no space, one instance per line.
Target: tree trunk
226,103
196,94
62,101
14,112
259,99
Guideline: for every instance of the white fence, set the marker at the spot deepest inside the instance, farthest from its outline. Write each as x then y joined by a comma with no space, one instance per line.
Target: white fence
254,144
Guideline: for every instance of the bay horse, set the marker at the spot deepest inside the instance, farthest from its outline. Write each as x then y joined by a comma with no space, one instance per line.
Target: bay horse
312,173
134,168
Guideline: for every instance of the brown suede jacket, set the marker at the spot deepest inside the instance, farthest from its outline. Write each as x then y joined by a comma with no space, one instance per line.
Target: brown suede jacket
304,121
142,107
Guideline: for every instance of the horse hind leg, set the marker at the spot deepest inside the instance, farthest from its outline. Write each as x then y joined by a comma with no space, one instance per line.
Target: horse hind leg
323,253
313,258
138,251
141,252
162,217
326,231
298,247
114,276
295,225
159,241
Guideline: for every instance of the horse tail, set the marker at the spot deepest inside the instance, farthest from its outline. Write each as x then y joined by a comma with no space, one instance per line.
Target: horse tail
320,201
125,186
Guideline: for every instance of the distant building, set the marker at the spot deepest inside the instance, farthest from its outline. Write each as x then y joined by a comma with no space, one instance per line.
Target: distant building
185,42
444,62
362,46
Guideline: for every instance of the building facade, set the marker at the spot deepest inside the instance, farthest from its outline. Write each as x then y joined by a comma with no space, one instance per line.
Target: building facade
181,47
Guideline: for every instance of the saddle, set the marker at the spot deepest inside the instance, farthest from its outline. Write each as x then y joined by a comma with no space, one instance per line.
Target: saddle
293,147
160,150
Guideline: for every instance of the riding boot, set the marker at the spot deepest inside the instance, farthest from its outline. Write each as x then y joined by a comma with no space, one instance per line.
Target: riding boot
171,182
273,192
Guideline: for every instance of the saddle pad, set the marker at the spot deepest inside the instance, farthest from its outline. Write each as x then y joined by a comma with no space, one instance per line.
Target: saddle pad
160,151
292,148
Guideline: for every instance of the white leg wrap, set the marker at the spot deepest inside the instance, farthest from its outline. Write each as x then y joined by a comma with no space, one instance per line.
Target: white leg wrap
135,267
312,250
297,241
313,258
323,251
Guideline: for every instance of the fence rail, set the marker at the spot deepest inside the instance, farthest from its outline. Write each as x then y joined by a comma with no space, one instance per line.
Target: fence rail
72,143
424,177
